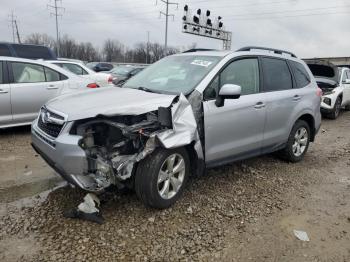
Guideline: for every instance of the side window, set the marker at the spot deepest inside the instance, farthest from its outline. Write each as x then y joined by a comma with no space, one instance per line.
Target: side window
348,74
27,73
244,72
301,76
212,90
51,75
75,69
276,75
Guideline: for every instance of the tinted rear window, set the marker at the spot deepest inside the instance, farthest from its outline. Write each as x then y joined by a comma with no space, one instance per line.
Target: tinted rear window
4,50
301,76
33,52
276,75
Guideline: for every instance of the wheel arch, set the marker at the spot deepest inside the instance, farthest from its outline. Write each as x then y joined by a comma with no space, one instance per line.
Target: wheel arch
197,163
310,120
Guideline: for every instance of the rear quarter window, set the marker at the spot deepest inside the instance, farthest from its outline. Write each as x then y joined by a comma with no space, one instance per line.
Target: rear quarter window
301,76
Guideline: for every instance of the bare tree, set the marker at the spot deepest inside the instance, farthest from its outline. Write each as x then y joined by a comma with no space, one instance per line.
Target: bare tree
40,39
113,50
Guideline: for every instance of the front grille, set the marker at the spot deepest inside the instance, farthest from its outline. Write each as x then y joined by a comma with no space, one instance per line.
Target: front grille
48,126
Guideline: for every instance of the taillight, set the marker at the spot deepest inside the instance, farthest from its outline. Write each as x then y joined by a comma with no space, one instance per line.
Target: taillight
93,85
110,80
319,92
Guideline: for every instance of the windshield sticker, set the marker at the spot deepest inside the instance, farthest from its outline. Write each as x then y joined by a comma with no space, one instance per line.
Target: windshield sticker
201,63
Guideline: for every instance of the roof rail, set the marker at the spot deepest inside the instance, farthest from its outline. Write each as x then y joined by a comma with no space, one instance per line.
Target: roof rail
198,50
276,51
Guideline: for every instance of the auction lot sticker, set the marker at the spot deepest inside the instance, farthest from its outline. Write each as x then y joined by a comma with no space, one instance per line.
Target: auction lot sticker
201,63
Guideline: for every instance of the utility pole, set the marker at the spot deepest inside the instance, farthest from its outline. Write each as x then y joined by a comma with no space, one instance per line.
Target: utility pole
147,48
166,14
19,39
56,14
12,21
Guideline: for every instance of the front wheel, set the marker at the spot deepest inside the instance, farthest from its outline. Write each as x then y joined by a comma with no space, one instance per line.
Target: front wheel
298,142
336,110
161,177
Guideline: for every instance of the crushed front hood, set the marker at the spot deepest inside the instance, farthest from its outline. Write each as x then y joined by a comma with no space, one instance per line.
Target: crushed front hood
108,102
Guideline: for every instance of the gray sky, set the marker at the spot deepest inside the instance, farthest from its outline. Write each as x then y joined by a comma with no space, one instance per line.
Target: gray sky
309,28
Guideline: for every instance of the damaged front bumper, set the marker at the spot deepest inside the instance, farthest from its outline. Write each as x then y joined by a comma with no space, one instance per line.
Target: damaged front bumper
104,151
62,153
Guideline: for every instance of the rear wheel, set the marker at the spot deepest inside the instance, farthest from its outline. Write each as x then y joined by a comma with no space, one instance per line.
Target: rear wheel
161,177
298,142
336,110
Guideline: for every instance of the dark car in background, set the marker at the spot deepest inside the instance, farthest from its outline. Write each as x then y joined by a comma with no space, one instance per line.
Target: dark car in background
27,51
100,66
122,73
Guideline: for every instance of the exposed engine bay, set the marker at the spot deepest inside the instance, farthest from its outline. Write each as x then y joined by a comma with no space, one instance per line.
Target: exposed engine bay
113,145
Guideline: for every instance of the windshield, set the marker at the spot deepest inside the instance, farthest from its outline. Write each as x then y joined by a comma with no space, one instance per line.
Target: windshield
174,74
122,70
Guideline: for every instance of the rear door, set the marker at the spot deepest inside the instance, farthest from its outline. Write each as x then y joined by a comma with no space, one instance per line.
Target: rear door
5,96
33,85
281,101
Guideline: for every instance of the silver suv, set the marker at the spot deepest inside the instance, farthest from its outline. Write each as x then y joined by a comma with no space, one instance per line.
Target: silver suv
181,115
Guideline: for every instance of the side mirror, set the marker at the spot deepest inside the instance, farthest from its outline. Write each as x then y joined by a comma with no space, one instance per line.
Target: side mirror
228,91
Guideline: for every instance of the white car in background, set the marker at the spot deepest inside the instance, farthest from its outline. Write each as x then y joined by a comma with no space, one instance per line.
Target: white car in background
101,79
25,85
335,84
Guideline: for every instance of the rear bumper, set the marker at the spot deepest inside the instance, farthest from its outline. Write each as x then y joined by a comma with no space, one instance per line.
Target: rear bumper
63,154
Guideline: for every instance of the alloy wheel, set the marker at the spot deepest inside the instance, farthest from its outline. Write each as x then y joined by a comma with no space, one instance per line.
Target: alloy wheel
171,176
301,140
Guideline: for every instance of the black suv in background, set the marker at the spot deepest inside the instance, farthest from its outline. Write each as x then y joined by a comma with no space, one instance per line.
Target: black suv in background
27,51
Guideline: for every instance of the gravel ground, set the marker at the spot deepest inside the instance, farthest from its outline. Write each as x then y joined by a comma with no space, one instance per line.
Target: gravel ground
241,212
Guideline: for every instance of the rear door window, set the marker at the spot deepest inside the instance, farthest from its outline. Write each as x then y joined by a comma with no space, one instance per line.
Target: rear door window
301,76
276,75
27,73
4,50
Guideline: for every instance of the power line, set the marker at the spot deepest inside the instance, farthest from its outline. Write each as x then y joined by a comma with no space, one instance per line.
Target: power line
56,14
166,14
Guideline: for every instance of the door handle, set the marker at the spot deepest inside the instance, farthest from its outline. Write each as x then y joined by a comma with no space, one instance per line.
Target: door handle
259,105
3,91
52,87
296,98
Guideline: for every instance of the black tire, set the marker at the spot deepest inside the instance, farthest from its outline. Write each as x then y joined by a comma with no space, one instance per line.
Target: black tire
287,153
336,110
146,178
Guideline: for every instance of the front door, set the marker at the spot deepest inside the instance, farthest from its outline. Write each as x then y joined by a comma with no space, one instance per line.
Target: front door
235,130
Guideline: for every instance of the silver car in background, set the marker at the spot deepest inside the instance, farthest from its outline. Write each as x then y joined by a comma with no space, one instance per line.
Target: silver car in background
25,85
185,113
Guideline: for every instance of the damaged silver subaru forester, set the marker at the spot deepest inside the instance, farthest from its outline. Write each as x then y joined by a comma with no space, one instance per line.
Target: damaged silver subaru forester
181,115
